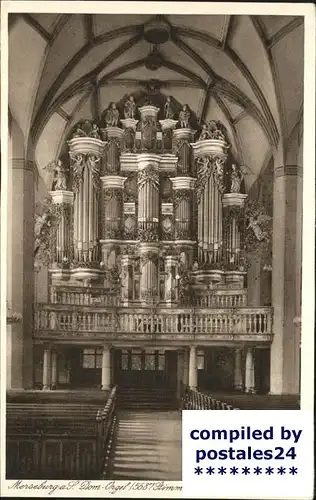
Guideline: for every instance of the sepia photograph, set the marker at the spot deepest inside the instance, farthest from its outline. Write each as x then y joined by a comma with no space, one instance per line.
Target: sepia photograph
154,210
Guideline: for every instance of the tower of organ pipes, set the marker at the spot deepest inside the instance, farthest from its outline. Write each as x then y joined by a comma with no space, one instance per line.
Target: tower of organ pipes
86,155
152,196
210,153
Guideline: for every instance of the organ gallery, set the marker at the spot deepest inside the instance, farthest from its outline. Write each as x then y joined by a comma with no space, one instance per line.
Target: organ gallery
145,227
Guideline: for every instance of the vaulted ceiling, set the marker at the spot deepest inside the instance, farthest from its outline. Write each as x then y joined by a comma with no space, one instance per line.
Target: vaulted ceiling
246,71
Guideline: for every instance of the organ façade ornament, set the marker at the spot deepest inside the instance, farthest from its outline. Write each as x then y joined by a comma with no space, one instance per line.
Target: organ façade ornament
213,130
47,218
184,117
236,179
60,175
149,133
87,129
168,111
130,108
206,166
112,116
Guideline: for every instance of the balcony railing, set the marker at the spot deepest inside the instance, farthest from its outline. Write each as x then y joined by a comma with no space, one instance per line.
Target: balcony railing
235,321
97,298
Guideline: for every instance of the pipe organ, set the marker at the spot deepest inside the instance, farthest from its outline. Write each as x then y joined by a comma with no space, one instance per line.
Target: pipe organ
155,204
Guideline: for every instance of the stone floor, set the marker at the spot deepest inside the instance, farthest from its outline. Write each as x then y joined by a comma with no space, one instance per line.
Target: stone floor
147,446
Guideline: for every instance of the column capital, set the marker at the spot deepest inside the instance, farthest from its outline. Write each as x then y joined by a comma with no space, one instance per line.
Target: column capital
183,182
168,124
288,170
146,159
113,133
234,199
60,196
86,145
113,181
210,147
184,133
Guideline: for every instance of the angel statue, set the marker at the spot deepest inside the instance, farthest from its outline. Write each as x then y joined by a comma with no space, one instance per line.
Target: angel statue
130,108
254,224
42,225
184,116
112,115
60,175
40,222
92,162
236,179
204,133
219,133
79,133
95,132
168,109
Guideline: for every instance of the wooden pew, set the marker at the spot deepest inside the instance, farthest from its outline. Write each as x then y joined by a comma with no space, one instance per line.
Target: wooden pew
54,442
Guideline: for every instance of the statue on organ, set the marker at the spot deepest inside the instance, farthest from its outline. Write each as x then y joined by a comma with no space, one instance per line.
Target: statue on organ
168,109
184,117
112,116
130,108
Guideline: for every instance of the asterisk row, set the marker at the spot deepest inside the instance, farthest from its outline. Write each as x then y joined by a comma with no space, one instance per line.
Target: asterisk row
247,470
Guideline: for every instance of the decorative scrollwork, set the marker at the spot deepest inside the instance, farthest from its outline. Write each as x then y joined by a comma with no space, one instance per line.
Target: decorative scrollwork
93,163
113,193
148,231
87,129
47,218
149,174
149,256
182,195
206,166
213,130
79,163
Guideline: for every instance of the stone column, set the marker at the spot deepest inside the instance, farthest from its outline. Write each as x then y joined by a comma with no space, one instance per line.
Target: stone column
20,261
54,369
286,271
127,278
192,368
186,367
238,382
180,368
47,369
106,368
171,290
250,372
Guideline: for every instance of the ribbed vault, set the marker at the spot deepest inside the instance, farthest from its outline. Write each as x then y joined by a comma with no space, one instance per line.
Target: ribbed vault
245,71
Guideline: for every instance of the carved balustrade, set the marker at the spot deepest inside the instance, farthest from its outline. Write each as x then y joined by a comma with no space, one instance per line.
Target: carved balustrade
236,323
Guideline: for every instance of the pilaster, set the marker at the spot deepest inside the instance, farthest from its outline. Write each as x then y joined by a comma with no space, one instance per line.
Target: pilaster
286,275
